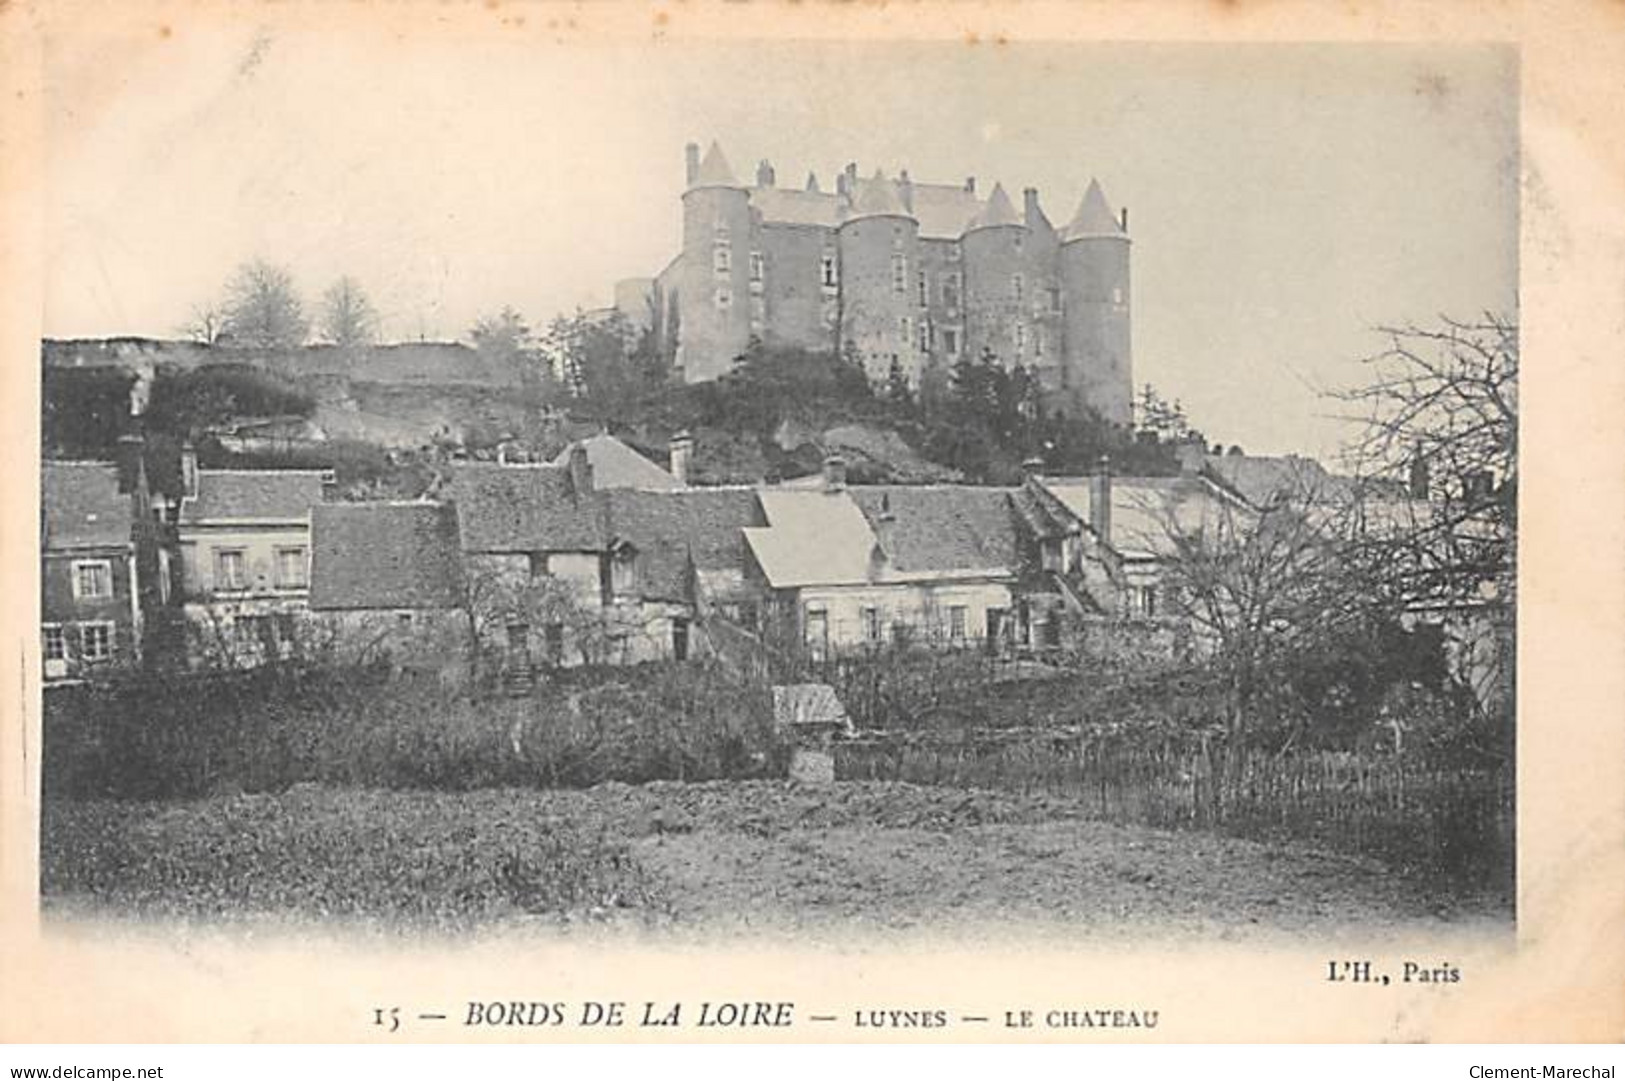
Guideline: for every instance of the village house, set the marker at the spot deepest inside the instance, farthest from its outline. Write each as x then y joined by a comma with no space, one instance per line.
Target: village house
848,567
103,572
244,542
386,580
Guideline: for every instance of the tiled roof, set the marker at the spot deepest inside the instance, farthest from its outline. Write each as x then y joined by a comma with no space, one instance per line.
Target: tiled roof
812,538
668,529
384,555
253,494
524,508
1094,217
81,506
935,528
1263,480
876,197
944,211
616,465
1146,511
998,211
782,206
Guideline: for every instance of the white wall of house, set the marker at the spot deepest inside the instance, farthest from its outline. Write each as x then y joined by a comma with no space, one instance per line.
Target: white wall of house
927,609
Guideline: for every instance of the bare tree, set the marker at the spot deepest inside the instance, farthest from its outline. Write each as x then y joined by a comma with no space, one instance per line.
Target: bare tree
205,325
348,319
1441,410
262,310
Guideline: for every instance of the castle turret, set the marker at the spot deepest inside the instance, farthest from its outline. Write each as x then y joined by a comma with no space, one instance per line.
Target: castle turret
881,312
715,317
996,286
1094,275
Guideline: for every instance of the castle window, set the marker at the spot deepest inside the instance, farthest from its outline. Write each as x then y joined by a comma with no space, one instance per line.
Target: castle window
924,337
905,326
830,272
950,291
1117,294
925,290
953,253
725,298
1021,339
899,273
722,259
758,266
721,231
950,341
1054,298
1017,287
1038,341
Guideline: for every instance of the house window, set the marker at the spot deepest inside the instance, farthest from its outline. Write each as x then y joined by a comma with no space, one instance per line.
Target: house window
871,623
925,289
230,569
290,568
956,622
725,298
95,641
817,632
830,272
722,259
1018,286
679,639
538,565
92,580
899,272
758,266
56,642
950,341
1148,601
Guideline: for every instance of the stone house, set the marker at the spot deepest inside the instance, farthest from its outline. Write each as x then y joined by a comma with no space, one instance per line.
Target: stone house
103,569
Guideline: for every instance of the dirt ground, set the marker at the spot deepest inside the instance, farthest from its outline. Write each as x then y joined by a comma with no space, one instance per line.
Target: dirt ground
760,857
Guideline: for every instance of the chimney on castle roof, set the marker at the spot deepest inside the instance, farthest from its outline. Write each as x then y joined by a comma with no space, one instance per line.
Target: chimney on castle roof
812,184
764,174
1030,209
834,473
970,184
691,161
1124,213
682,452
905,188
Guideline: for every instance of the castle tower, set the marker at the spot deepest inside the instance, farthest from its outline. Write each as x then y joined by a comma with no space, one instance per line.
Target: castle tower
880,309
1094,275
996,287
713,289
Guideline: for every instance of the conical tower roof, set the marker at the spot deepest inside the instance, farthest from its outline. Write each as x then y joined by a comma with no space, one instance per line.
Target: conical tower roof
1094,217
715,172
876,197
998,211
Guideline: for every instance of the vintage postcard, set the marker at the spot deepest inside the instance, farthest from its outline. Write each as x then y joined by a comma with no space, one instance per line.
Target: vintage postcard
934,522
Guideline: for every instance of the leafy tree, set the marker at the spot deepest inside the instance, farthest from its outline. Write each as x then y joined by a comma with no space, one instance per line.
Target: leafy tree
262,310
348,319
608,364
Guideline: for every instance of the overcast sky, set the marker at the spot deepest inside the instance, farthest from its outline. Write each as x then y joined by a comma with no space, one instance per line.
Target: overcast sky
1283,200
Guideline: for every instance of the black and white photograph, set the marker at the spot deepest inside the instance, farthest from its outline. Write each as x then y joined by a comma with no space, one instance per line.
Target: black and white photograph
665,490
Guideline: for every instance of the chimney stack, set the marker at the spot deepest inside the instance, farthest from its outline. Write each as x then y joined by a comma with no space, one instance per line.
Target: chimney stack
691,158
188,471
1100,500
1125,219
764,174
905,188
580,471
1032,468
130,466
1029,197
834,473
682,453
970,184
1191,454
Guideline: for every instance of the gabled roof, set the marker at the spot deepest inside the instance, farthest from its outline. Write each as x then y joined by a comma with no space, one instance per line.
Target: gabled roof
876,197
245,495
998,211
384,556
616,465
671,531
524,508
1265,480
1094,217
1147,512
940,528
944,211
812,538
81,506
714,170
